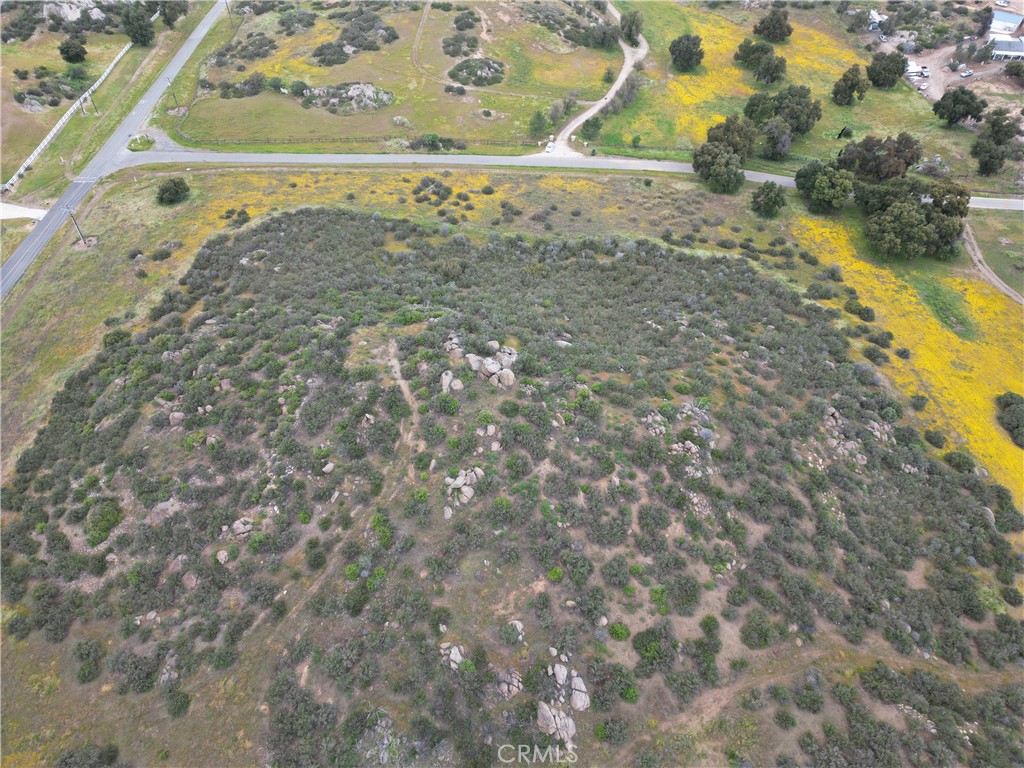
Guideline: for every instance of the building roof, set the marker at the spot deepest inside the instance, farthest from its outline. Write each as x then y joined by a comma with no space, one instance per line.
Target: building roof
1008,45
1007,17
1005,22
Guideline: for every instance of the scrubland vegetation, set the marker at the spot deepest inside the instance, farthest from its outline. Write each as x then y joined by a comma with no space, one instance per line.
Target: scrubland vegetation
695,474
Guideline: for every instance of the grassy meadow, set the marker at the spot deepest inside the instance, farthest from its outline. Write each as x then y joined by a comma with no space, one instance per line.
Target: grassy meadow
1000,236
22,130
12,232
540,67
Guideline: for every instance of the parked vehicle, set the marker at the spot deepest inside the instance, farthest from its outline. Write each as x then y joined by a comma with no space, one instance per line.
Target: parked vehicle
923,87
967,73
883,38
1003,3
549,148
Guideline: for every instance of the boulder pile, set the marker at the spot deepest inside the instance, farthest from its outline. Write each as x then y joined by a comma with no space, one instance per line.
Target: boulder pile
451,384
453,654
460,487
494,438
570,685
497,368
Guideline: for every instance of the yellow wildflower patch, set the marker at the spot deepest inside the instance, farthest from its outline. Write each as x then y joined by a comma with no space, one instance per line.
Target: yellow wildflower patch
962,378
291,59
812,55
571,185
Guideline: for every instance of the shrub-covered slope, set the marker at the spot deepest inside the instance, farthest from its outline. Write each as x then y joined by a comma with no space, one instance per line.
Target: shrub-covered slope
515,493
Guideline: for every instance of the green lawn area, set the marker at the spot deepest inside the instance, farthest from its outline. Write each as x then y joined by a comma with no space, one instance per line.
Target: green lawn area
1000,236
85,134
674,110
22,129
540,68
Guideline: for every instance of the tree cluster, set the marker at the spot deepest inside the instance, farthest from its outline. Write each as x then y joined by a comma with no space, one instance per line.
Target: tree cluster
775,26
904,223
632,26
997,141
761,58
718,165
880,159
793,104
1011,416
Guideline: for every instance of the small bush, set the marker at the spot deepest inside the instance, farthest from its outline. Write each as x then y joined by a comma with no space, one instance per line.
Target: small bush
961,462
619,631
785,719
172,191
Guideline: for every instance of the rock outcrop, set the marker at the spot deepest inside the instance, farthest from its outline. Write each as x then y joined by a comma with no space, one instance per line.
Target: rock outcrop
453,654
510,683
460,487
556,722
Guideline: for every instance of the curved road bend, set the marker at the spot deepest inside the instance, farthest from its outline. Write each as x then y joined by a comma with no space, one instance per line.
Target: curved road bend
105,161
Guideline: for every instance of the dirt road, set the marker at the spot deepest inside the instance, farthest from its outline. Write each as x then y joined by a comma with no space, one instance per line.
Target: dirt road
985,269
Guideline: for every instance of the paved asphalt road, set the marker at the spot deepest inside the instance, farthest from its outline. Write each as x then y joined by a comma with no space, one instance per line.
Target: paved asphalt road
114,156
576,162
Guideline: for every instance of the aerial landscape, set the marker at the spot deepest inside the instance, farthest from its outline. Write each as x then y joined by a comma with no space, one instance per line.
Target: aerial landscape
611,383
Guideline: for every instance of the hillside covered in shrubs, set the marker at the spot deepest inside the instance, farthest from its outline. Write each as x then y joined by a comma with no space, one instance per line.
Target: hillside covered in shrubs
471,495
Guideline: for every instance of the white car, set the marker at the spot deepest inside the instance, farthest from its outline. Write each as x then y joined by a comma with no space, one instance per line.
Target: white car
883,38
1003,3
923,87
967,73
550,147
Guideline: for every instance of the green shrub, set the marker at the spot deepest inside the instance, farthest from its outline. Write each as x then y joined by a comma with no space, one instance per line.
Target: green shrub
177,702
961,462
785,719
619,631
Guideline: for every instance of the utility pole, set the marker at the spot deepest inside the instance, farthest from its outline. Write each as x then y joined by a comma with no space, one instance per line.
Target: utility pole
73,221
173,95
228,6
92,101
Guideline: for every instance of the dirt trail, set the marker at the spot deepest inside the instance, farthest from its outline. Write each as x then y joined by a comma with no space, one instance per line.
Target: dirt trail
408,434
987,271
630,57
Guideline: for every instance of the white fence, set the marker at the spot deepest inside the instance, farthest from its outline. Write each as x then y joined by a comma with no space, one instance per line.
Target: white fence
68,115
